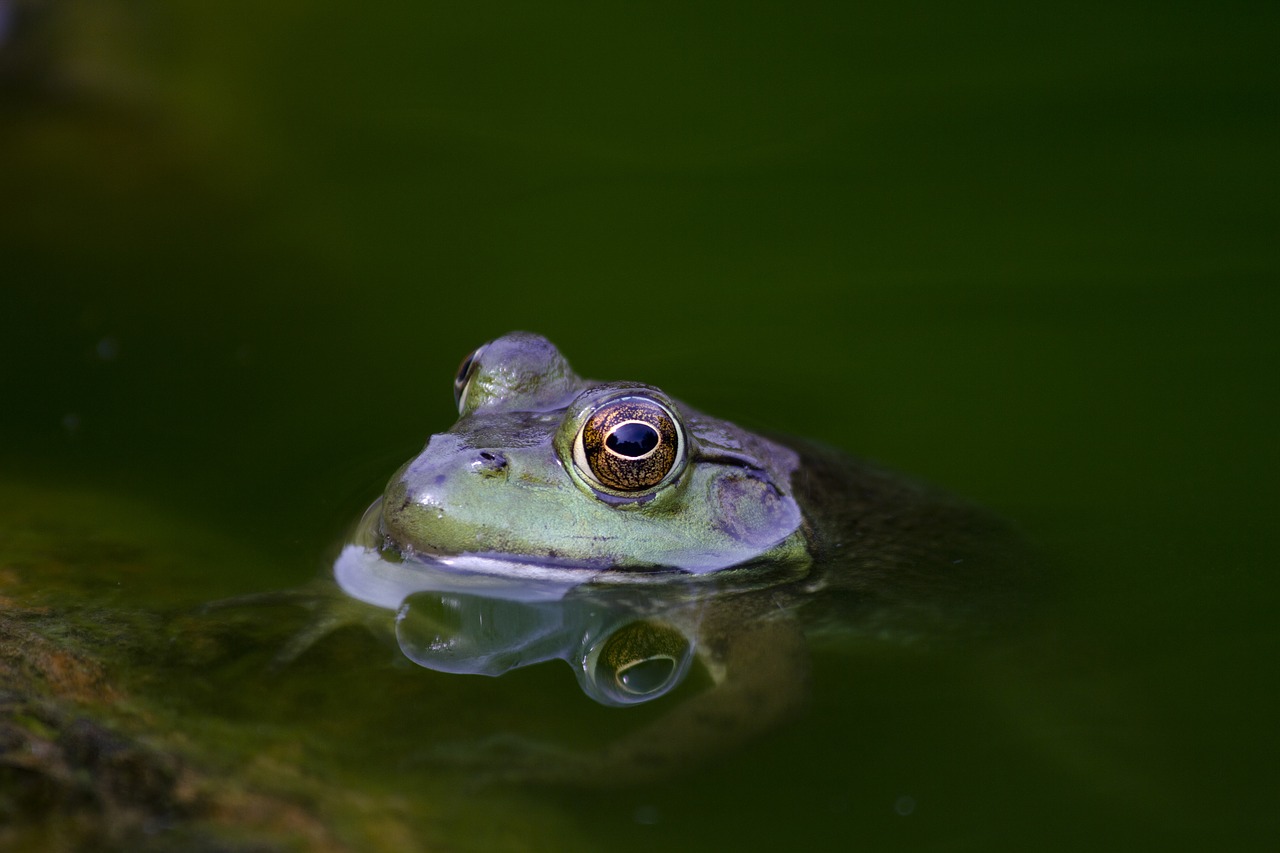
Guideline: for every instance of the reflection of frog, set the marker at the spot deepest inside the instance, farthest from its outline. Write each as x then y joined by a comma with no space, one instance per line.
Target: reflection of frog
614,527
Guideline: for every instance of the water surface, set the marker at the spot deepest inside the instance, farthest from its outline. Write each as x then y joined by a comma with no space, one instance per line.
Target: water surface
1028,255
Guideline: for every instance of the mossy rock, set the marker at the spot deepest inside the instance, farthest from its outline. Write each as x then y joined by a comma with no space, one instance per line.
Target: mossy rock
131,717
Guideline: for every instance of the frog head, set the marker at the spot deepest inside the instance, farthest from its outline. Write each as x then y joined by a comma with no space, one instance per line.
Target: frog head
544,468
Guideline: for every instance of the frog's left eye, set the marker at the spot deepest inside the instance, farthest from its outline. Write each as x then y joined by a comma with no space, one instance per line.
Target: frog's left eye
466,370
629,444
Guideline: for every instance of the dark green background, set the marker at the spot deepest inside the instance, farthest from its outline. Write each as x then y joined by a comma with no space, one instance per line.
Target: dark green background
1026,251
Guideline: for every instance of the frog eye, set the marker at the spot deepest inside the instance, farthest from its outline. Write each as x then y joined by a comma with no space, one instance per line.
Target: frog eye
629,445
466,370
638,662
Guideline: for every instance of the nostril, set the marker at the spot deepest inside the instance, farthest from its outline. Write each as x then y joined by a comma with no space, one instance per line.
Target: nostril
489,462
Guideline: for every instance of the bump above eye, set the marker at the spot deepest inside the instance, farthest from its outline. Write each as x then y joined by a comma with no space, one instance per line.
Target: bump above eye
629,444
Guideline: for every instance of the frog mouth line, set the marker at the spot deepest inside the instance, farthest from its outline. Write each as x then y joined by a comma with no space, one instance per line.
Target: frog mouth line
512,565
371,535
524,566
365,572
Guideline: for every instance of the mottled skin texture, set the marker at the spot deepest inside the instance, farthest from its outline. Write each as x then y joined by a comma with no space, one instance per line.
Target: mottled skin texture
777,540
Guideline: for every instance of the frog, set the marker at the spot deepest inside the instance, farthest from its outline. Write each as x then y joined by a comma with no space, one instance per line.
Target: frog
545,468
618,528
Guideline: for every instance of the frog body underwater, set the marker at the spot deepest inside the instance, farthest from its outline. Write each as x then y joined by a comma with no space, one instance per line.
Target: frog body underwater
610,516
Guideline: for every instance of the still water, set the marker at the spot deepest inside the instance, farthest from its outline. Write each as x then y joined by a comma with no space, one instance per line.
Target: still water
1026,255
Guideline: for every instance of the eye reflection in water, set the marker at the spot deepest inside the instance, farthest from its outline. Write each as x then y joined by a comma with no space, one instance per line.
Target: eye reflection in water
619,659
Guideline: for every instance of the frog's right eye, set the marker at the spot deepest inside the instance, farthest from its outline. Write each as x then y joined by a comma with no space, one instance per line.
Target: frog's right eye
466,370
630,445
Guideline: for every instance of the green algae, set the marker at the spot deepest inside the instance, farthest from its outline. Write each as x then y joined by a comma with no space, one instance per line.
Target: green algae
169,726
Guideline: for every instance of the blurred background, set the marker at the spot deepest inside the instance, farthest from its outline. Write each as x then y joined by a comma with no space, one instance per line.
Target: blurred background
1025,251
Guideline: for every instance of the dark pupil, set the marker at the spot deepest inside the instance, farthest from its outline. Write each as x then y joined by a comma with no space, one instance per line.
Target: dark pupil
647,675
633,439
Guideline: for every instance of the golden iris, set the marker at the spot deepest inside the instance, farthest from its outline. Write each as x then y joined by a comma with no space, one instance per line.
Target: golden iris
630,444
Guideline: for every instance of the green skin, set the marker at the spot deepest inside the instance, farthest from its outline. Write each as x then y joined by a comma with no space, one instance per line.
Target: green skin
749,548
504,480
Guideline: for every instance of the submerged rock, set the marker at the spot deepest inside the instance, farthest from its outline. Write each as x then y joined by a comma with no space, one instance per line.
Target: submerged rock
131,719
